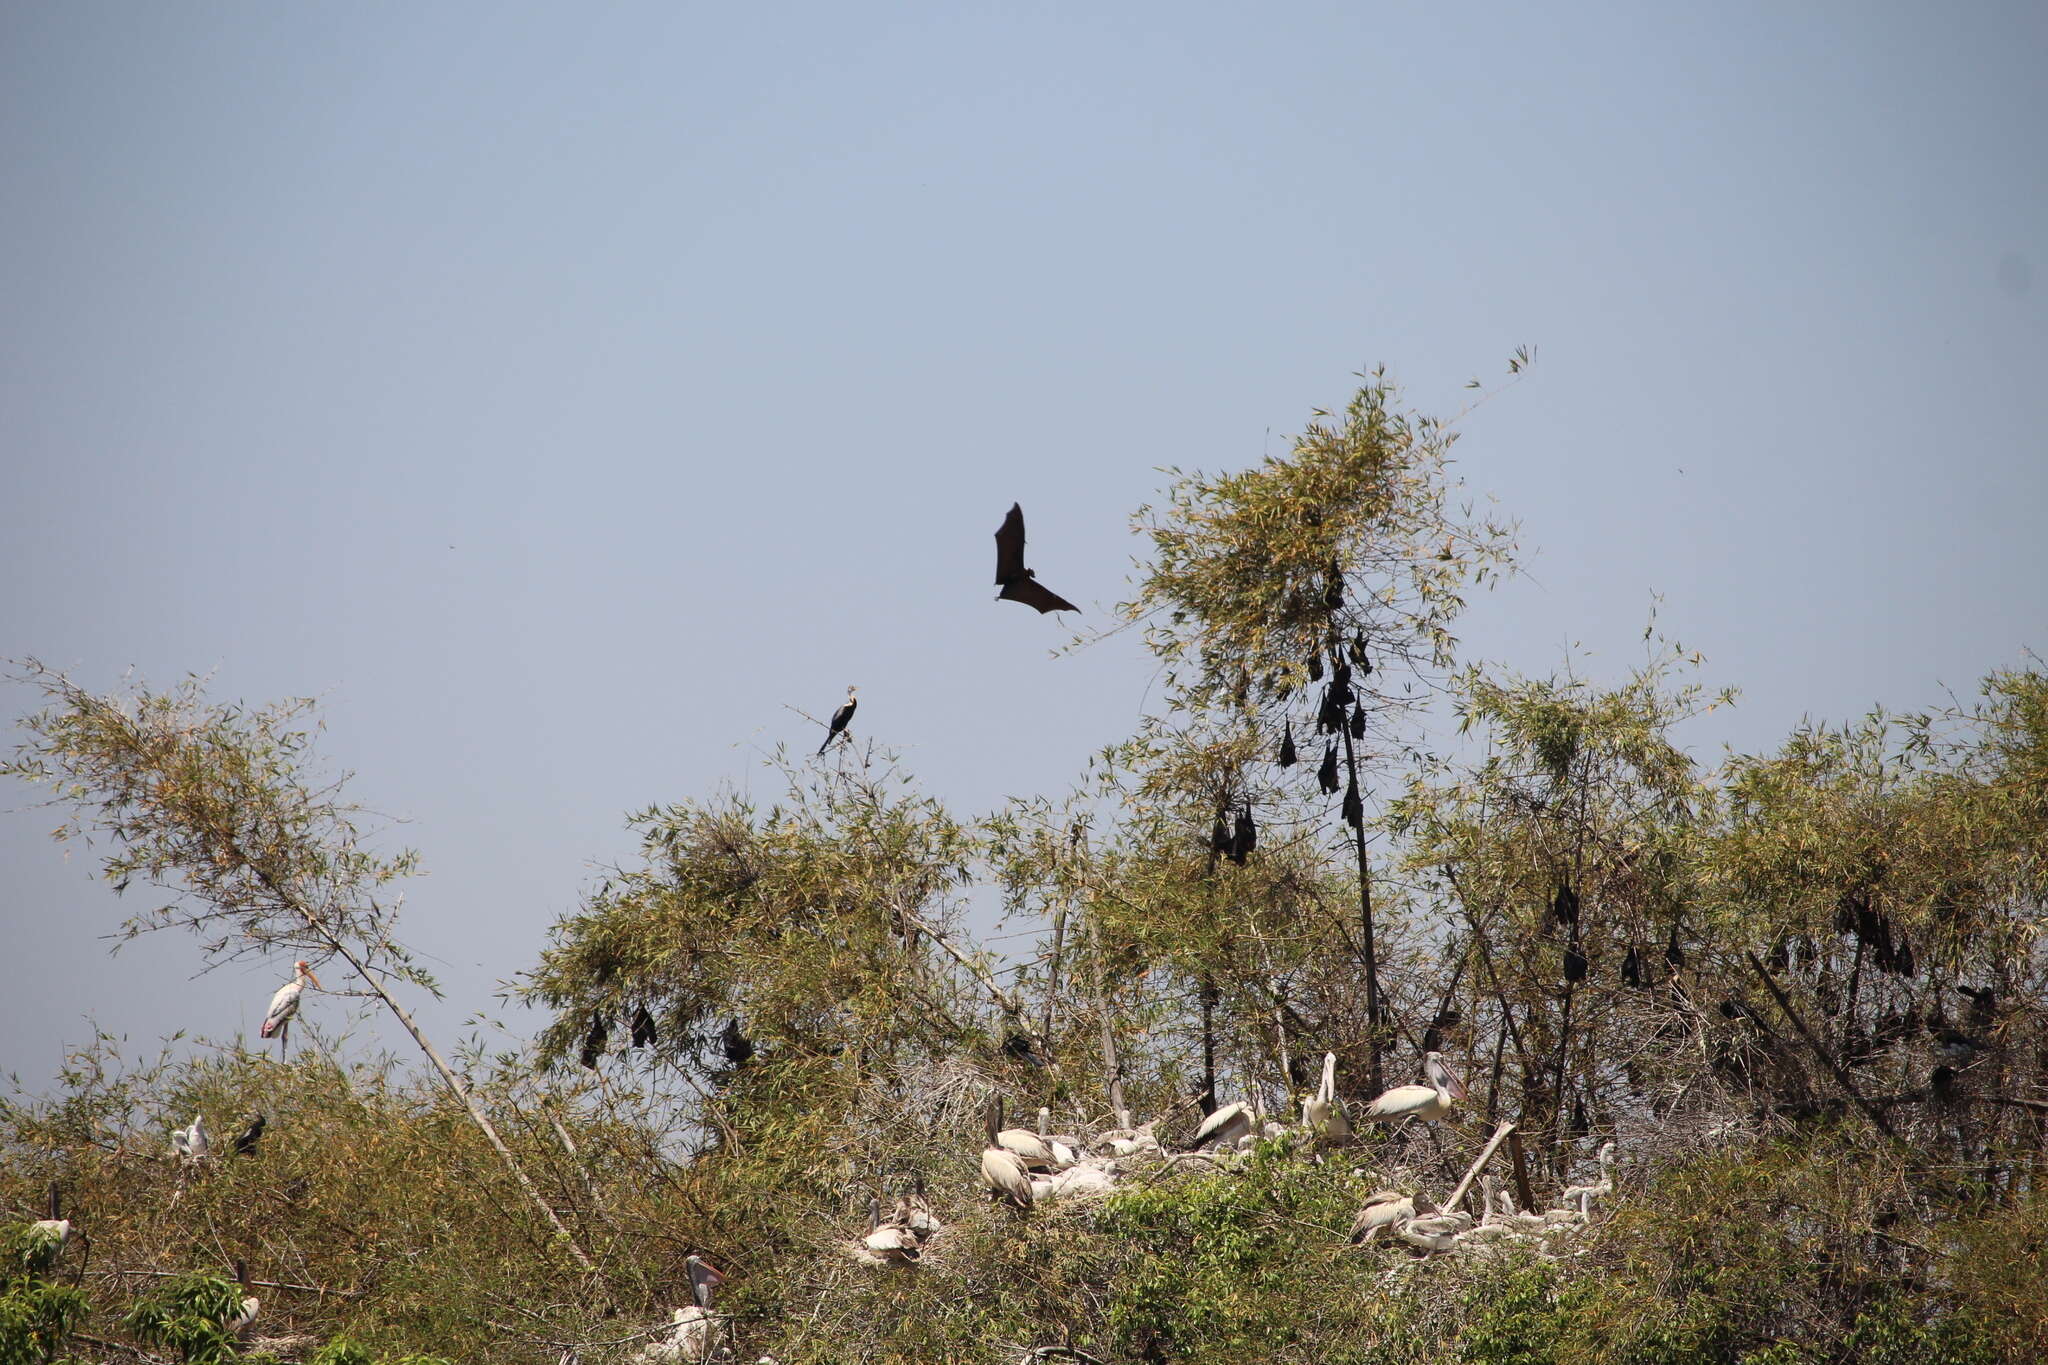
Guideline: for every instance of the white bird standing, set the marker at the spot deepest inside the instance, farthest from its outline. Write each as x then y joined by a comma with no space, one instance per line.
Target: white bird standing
1586,1194
245,1318
1001,1169
1323,1113
1426,1102
285,1004
194,1143
55,1230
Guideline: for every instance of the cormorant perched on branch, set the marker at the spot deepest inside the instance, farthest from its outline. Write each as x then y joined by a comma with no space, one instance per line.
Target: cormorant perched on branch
1018,583
735,1044
841,719
246,1140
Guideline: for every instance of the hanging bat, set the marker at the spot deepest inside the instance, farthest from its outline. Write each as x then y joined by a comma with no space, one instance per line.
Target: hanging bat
1018,583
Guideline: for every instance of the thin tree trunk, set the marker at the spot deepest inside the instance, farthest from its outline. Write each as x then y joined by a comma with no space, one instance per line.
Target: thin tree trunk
1052,973
1208,1046
1112,1065
448,1074
1372,966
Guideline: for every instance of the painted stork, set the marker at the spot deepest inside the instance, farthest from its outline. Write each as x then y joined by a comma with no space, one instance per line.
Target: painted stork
1001,1170
1426,1102
278,1021
1323,1113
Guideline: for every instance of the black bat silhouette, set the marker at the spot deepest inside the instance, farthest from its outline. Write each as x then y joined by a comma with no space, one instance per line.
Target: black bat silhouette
1018,583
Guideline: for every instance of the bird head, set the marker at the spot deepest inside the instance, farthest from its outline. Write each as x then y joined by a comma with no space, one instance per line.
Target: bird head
704,1279
1441,1075
305,969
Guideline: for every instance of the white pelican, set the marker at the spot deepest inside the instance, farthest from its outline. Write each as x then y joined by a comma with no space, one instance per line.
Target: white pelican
1383,1210
1425,1102
245,1317
1323,1113
278,1021
914,1212
1434,1232
194,1143
891,1242
1223,1128
1492,1227
1586,1194
695,1334
1025,1145
1076,1182
1001,1170
1129,1141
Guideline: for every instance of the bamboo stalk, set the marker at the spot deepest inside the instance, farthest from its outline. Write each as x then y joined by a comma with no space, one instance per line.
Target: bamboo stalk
1500,1135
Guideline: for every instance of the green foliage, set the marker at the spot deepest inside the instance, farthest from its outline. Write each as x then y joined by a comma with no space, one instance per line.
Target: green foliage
190,1315
35,1315
1596,925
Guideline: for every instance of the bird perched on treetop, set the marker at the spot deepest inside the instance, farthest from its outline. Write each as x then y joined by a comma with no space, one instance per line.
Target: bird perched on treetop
277,1022
841,719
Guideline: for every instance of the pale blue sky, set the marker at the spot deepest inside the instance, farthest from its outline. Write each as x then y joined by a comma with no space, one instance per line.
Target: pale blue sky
560,390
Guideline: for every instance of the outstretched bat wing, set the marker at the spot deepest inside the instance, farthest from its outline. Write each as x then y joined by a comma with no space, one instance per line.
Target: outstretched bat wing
1010,547
1033,593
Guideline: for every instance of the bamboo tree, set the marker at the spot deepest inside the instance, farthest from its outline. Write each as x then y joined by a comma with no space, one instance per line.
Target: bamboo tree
1353,548
214,804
